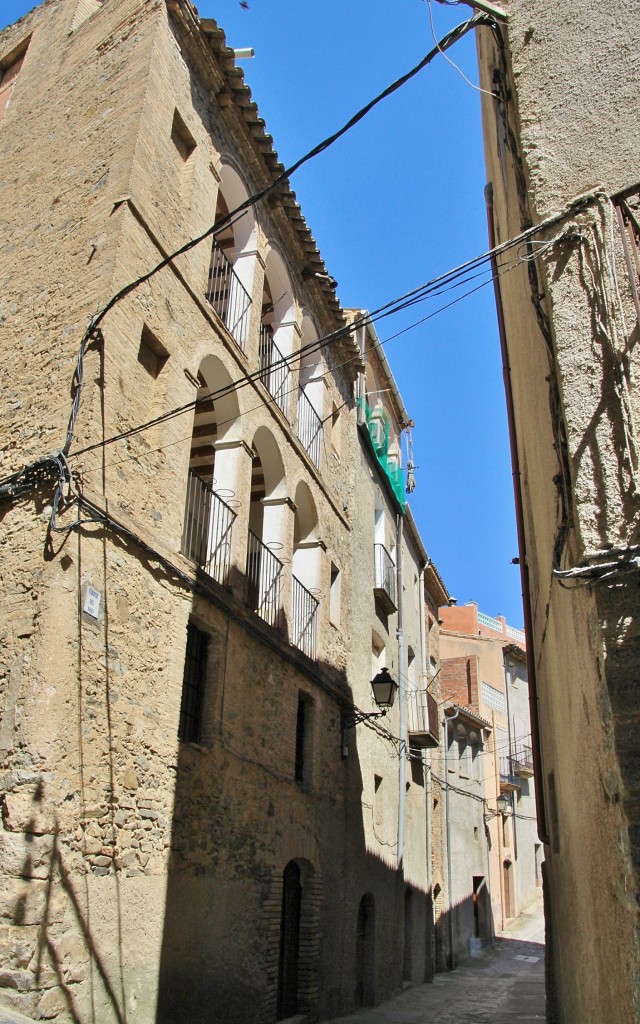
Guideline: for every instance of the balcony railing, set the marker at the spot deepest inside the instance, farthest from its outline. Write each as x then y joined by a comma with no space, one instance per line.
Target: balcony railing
274,370
385,578
304,625
228,296
264,580
523,762
310,429
508,777
422,719
206,536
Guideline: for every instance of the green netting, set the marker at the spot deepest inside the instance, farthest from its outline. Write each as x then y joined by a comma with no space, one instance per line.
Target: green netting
379,432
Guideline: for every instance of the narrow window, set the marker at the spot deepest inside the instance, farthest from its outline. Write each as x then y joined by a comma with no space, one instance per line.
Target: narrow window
152,354
182,138
336,430
334,595
378,658
303,739
378,803
193,684
8,75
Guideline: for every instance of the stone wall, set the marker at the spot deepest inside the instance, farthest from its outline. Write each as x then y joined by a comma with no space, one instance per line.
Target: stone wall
143,875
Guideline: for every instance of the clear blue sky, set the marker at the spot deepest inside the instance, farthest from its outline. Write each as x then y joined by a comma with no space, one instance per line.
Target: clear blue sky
396,202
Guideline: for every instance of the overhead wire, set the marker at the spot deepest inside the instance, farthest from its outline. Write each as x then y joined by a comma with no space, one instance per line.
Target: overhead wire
448,40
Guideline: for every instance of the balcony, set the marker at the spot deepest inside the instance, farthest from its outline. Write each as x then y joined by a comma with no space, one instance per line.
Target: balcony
228,296
206,535
523,762
310,430
509,780
304,618
274,369
422,719
384,587
264,581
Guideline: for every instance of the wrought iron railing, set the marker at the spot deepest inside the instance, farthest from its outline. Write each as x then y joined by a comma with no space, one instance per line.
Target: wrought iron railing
206,535
264,580
310,429
228,296
422,716
304,619
508,776
274,370
523,761
385,569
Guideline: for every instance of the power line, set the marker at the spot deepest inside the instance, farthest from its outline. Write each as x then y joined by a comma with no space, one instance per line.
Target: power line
448,40
311,348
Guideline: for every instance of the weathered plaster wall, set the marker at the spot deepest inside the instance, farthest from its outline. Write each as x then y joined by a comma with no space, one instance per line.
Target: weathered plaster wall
567,126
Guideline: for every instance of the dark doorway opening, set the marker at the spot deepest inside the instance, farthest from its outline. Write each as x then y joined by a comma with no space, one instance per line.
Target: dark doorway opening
289,942
480,908
365,952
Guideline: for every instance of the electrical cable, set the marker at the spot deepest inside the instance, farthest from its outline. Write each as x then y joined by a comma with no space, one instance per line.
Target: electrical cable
291,360
95,320
455,67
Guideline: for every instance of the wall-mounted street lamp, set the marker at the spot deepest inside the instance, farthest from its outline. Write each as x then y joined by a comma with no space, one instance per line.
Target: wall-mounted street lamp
384,693
502,805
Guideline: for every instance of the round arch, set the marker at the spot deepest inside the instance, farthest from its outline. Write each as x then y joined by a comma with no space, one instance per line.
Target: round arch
306,549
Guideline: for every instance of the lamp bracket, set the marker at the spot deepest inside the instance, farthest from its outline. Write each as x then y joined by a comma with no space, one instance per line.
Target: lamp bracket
353,718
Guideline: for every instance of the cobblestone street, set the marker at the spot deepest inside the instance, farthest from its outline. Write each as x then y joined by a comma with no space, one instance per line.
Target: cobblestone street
503,985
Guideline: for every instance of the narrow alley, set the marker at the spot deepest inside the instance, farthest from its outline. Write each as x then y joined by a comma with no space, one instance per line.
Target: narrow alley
503,985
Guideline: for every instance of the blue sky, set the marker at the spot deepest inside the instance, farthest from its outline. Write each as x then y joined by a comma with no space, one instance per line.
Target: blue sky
398,201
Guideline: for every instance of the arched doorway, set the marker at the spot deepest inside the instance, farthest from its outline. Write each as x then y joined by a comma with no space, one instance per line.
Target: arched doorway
276,332
408,934
289,942
305,579
267,513
231,265
365,952
298,941
310,425
212,480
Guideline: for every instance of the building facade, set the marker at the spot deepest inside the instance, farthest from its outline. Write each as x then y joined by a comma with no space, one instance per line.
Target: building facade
562,159
201,819
496,858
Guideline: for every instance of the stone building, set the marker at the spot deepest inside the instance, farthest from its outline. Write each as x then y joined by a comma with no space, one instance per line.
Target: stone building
561,145
497,869
201,819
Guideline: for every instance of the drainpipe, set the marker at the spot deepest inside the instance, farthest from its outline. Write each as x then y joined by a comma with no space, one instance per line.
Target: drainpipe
402,773
447,810
512,799
522,544
423,677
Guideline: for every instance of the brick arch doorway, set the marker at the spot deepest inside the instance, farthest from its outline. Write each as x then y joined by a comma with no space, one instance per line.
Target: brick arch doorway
297,986
289,941
366,952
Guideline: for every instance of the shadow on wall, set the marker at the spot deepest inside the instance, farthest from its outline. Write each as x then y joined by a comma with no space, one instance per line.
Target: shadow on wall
49,908
463,929
274,906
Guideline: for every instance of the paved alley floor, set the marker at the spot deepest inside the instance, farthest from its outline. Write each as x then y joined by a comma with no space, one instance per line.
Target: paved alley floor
503,985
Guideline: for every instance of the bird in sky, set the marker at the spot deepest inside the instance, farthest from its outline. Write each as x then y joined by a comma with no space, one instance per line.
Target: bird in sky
244,5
